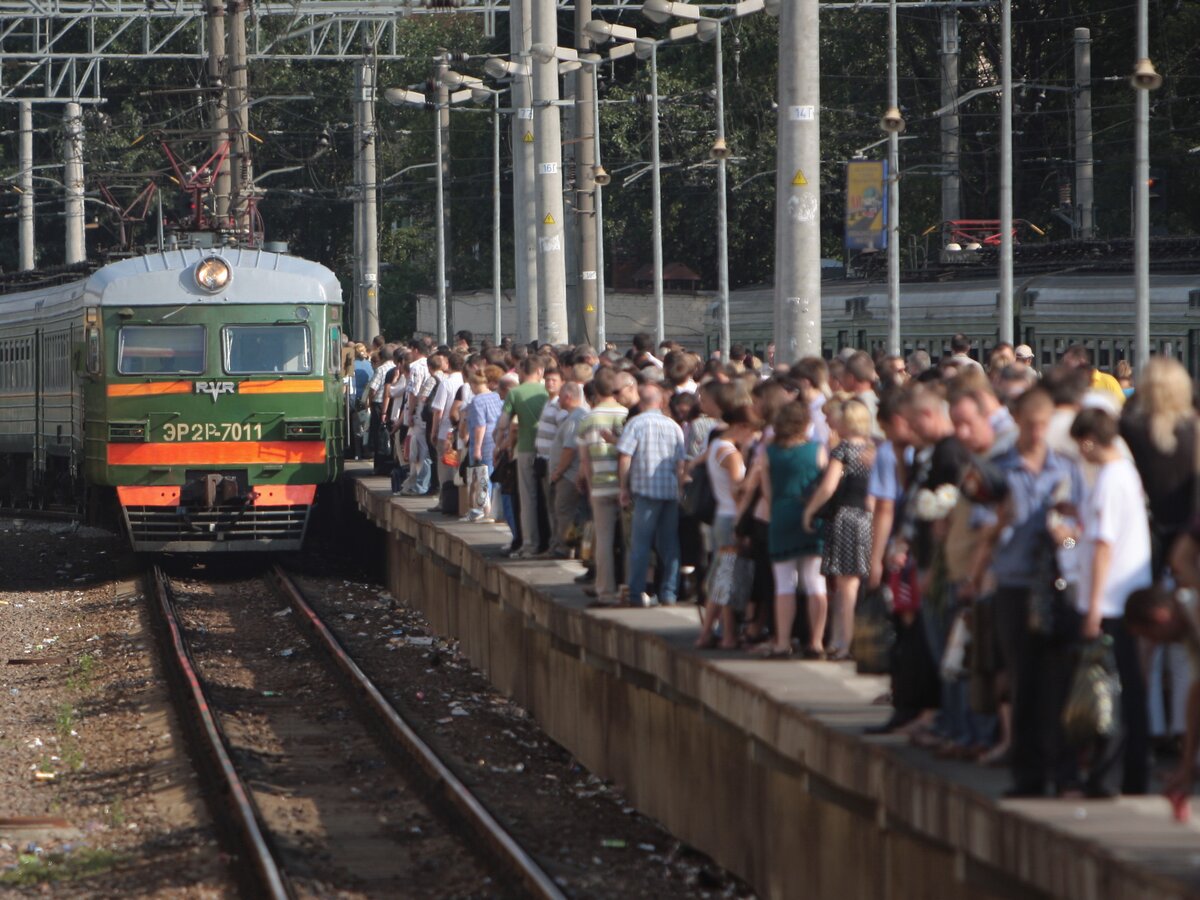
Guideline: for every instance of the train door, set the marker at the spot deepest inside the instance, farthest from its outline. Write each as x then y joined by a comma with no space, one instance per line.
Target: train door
39,412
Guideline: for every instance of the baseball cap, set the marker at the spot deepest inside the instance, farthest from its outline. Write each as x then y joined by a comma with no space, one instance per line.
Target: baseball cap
1023,351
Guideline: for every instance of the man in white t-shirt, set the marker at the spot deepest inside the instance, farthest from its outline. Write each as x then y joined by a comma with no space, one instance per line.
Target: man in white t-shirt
1114,551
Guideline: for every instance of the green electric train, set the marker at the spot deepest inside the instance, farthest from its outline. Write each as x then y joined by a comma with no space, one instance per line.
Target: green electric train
196,390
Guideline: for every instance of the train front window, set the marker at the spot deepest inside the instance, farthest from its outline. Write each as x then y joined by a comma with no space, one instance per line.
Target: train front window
262,349
160,350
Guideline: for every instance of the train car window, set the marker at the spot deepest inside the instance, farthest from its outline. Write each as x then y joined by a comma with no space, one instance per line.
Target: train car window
161,350
261,349
335,350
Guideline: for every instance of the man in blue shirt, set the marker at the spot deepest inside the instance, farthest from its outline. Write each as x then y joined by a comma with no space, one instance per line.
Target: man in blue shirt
649,464
1039,667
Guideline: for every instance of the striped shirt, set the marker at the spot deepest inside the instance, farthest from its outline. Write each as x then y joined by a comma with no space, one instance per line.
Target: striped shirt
552,416
654,443
609,416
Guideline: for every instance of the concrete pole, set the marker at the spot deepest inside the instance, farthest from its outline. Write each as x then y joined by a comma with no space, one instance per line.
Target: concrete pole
497,325
441,214
570,152
25,186
797,184
893,193
446,264
660,327
952,179
1141,217
1085,203
220,110
601,328
241,181
369,298
525,255
552,273
586,97
1006,186
76,248
358,232
722,200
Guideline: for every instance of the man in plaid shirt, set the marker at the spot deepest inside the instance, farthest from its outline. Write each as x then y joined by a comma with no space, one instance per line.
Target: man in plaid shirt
649,466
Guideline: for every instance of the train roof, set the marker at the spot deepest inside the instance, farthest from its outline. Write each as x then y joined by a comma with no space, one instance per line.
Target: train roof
258,276
972,298
166,277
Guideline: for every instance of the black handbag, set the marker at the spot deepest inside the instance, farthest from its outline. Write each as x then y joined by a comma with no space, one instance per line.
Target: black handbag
1052,614
698,500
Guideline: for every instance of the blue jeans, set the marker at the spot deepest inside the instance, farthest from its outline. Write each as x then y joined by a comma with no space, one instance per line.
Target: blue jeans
655,525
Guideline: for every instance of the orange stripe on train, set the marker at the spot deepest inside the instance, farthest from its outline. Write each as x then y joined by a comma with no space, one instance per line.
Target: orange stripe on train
148,495
264,495
307,386
213,453
148,388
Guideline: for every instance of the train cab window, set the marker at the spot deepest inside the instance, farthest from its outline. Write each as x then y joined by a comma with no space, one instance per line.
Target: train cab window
262,349
161,350
93,350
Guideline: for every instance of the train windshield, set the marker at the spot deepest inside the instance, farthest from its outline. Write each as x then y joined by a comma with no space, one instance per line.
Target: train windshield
161,350
259,349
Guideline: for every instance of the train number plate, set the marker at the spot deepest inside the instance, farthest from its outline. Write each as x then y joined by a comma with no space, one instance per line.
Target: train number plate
212,431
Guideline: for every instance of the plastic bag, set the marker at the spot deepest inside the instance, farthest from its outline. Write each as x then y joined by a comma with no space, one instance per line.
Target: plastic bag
874,634
953,665
1094,703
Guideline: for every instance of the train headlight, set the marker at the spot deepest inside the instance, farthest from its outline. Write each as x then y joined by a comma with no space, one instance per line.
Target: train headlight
213,274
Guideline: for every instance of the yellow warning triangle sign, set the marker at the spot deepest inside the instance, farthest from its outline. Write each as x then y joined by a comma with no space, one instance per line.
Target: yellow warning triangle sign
529,137
798,179
549,220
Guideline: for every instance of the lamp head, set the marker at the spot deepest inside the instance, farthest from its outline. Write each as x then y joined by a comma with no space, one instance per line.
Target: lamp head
658,11
892,122
719,149
404,97
1145,78
706,30
501,68
601,176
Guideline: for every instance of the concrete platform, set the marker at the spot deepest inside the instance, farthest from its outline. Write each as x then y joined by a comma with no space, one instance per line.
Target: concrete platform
763,765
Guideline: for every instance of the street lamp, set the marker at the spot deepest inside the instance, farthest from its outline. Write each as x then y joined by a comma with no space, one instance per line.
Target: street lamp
644,48
406,97
484,94
1145,79
710,30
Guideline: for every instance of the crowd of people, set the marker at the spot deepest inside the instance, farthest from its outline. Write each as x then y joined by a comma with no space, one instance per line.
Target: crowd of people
982,521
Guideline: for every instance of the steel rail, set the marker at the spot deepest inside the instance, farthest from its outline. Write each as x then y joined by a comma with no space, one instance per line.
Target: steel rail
261,861
534,878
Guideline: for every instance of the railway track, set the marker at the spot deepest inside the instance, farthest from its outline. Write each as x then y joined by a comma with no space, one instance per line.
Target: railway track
316,799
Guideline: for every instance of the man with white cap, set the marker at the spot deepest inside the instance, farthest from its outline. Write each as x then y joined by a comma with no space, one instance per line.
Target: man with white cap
1024,356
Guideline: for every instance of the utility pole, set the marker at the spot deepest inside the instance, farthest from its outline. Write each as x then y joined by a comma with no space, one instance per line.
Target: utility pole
585,184
798,184
720,152
497,320
1145,80
660,324
952,177
570,225
525,236
552,275
1085,204
76,248
241,181
893,128
358,232
25,186
442,118
1006,173
367,297
220,110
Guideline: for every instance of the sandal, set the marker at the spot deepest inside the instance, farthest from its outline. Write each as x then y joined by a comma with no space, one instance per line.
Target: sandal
839,656
708,643
812,653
